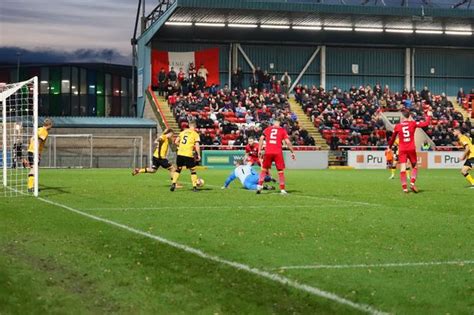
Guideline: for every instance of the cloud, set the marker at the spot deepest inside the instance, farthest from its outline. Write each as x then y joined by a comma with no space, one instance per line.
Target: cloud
9,55
68,25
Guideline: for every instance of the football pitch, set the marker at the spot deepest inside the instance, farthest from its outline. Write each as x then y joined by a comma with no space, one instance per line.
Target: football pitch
346,242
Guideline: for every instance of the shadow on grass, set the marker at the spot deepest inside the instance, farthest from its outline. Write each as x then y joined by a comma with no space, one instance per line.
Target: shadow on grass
53,191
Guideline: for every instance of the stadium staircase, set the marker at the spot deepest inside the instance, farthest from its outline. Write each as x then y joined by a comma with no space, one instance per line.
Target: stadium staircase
158,107
335,158
306,123
170,121
459,108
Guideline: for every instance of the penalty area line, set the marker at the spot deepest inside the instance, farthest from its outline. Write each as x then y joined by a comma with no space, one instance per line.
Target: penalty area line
386,265
239,266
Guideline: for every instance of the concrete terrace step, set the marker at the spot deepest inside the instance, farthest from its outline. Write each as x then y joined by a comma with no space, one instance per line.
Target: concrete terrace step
459,108
306,123
167,113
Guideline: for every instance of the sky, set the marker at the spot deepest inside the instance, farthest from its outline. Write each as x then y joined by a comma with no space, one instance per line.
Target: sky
67,30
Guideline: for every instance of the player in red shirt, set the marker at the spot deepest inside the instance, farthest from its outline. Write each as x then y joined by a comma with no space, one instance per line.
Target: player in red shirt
251,153
274,137
405,131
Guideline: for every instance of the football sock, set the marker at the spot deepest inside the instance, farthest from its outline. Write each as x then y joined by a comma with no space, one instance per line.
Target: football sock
469,178
31,181
176,176
408,173
261,179
281,180
142,170
414,173
194,178
392,171
403,179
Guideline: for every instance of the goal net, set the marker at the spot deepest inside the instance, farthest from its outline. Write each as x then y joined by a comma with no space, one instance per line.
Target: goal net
19,129
93,151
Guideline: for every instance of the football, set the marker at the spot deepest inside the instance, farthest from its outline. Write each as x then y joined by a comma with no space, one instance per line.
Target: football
200,182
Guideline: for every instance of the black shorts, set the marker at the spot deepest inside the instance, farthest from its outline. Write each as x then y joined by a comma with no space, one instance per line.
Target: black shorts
185,161
469,162
31,158
156,163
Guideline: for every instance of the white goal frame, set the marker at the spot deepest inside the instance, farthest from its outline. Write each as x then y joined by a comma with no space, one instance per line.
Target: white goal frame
10,90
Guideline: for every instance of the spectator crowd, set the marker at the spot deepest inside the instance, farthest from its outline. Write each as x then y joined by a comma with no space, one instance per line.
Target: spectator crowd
353,117
231,115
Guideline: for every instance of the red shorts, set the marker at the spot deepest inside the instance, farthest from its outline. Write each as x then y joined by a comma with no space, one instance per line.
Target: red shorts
269,158
253,160
404,156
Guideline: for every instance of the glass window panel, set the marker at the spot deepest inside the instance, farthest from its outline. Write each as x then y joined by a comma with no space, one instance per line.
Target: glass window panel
66,80
44,81
74,81
108,85
83,82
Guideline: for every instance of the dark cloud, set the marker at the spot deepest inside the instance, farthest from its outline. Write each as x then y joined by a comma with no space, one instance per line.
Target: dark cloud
68,25
9,55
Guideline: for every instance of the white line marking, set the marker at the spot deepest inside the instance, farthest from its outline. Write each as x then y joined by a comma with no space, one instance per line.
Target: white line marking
387,265
212,207
239,266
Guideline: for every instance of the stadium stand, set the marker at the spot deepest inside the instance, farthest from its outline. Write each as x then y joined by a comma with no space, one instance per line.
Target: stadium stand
352,117
230,117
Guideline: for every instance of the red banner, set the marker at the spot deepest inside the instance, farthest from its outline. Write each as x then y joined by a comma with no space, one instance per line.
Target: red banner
209,58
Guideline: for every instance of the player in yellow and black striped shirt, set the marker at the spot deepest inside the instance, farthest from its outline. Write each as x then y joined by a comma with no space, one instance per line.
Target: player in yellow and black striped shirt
189,153
468,155
159,156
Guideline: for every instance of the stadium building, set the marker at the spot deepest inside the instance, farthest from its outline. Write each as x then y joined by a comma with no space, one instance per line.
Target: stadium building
78,89
328,45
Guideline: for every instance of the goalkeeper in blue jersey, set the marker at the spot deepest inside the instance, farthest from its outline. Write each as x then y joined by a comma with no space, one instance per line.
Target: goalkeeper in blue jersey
247,176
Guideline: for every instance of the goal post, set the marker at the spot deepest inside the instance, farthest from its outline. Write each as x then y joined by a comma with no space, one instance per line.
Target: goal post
19,126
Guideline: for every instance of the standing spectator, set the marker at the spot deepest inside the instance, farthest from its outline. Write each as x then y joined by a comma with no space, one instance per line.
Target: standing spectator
267,81
259,78
192,71
240,73
235,80
172,80
203,73
285,82
161,82
461,95
181,77
425,94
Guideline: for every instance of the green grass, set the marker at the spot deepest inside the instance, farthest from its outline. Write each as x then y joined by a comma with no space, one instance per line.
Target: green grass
55,261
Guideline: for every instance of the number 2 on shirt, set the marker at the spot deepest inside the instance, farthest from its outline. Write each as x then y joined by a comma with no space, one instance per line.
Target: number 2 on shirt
273,136
406,134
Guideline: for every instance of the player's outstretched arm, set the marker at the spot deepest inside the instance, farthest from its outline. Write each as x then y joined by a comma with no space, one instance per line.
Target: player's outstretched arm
260,145
197,148
290,147
392,139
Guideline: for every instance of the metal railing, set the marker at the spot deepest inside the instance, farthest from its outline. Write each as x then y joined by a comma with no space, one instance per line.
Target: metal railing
158,11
